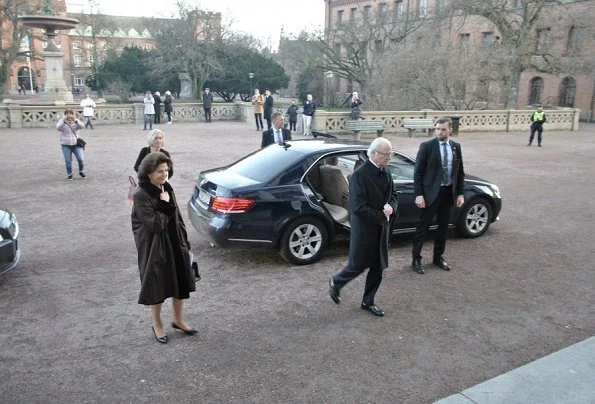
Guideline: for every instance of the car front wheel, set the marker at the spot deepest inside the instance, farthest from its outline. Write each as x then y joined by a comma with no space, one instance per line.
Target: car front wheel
475,218
304,241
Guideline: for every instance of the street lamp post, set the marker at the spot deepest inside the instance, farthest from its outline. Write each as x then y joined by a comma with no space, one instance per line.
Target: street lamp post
251,75
329,76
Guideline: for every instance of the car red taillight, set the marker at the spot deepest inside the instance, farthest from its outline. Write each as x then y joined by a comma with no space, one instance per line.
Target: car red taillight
231,205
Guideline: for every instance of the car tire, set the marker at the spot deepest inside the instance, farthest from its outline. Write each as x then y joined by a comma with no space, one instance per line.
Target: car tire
475,218
304,241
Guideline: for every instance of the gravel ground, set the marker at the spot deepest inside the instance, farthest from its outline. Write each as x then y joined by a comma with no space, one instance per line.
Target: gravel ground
72,331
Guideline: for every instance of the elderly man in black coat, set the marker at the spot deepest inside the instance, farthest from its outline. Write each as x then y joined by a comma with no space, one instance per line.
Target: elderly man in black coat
373,202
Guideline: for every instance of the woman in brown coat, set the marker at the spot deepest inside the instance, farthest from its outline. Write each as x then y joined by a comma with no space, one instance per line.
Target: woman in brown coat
164,259
257,104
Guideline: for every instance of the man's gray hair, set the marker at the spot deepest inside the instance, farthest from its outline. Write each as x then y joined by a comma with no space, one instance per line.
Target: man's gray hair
276,114
376,143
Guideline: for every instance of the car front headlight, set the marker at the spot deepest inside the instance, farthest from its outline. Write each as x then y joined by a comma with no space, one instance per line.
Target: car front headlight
496,190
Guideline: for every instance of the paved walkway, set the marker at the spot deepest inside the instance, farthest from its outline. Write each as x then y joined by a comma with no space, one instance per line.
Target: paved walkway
566,376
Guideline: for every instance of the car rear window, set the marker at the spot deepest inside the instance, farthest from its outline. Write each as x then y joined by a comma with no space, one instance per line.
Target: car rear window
267,163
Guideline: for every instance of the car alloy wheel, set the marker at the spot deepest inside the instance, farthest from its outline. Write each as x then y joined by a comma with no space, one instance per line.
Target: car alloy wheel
475,218
303,241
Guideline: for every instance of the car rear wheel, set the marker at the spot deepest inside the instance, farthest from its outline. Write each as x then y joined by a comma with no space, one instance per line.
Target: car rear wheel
304,241
475,218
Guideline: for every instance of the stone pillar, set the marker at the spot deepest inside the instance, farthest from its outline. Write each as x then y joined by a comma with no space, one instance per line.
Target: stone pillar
187,90
139,113
15,116
245,112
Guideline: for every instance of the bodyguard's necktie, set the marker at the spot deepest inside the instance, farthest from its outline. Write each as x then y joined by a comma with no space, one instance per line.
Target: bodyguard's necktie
278,137
444,164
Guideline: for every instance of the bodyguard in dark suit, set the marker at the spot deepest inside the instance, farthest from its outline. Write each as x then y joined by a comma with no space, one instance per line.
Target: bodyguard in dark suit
207,102
277,134
268,107
439,183
373,202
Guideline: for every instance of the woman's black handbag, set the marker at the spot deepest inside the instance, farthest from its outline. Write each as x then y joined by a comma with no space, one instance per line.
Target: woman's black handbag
80,142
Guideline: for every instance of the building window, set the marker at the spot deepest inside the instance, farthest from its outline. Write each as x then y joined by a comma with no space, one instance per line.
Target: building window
338,49
573,45
440,6
543,40
382,12
398,9
464,40
78,60
367,13
567,92
422,9
79,81
76,46
340,17
535,90
352,15
91,59
487,40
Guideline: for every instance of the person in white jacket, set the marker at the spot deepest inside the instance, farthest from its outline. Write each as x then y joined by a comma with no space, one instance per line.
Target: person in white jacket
149,109
88,106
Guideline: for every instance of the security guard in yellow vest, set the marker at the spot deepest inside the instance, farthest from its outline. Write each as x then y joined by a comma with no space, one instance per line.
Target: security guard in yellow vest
537,121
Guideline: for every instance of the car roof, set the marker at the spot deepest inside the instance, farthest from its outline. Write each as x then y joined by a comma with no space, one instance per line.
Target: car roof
308,146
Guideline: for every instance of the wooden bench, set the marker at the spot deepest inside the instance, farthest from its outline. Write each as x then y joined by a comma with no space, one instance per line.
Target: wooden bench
412,124
364,125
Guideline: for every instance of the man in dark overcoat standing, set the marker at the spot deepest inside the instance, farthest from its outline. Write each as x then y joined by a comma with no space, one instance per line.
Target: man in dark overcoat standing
207,102
277,134
268,107
373,202
439,182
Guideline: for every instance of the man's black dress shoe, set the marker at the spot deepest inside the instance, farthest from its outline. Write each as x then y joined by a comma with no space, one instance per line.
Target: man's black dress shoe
333,291
190,331
440,263
162,340
416,266
375,310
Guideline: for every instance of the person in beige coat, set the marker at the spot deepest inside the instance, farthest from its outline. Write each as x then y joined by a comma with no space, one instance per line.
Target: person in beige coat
257,104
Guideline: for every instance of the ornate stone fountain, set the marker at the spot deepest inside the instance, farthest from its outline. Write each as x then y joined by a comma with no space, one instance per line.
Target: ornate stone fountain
55,88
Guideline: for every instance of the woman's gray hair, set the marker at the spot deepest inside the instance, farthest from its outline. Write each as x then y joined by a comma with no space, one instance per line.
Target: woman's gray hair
375,145
152,134
150,164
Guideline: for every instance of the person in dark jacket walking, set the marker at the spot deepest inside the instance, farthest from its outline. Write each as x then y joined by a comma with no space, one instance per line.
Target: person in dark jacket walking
439,183
292,113
374,203
207,101
268,107
164,258
307,115
157,98
156,141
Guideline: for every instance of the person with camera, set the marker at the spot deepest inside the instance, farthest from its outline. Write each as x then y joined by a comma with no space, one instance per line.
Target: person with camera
164,257
69,128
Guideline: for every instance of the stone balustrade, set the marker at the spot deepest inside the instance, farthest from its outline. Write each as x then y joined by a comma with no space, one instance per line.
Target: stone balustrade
29,116
469,121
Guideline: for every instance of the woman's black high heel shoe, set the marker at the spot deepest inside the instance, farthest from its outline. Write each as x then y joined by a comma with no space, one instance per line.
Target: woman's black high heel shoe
190,331
162,340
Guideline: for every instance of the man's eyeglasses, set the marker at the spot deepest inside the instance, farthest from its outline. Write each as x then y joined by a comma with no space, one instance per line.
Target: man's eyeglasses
383,154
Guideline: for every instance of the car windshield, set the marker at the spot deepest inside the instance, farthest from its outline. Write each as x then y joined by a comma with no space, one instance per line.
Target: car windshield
267,163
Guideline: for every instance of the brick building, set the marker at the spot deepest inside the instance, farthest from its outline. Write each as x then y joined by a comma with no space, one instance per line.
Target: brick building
82,45
564,33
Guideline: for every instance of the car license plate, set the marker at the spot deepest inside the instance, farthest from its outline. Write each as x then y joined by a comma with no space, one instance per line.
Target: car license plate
204,197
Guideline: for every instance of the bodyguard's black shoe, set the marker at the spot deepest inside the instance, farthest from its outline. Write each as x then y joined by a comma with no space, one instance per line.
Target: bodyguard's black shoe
440,263
416,266
375,310
333,291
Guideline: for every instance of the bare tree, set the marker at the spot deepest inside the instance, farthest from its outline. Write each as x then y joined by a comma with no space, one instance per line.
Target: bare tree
188,45
355,49
119,87
516,22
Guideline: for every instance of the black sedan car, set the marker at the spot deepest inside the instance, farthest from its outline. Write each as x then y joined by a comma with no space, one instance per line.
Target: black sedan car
10,252
294,198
